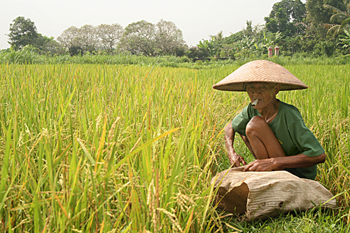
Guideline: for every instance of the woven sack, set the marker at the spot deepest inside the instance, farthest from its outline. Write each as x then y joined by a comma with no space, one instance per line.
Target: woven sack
259,195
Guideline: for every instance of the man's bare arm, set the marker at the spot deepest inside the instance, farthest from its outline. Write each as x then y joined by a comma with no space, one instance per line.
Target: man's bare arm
235,159
280,163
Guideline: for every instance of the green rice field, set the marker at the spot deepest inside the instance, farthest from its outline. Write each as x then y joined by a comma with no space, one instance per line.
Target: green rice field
128,148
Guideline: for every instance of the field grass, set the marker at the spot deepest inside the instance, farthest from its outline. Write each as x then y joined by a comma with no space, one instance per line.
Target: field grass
28,55
127,148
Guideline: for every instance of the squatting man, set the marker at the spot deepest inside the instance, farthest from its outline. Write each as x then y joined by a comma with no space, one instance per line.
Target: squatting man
273,131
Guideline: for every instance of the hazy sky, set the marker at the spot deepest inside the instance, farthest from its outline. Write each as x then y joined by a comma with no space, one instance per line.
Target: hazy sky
197,19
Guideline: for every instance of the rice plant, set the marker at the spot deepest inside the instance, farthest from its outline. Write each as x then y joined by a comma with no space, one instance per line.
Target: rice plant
127,148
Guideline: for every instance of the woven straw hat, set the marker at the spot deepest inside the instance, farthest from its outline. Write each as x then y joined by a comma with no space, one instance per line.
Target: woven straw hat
260,71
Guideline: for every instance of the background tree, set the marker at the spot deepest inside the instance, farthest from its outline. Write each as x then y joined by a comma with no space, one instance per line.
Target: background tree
345,40
139,38
248,31
48,45
69,37
235,37
207,48
251,31
319,16
218,37
230,50
168,37
196,53
212,48
109,36
340,18
284,15
88,39
79,40
22,32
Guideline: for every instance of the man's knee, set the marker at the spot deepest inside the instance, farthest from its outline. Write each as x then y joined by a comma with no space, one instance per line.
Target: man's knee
254,125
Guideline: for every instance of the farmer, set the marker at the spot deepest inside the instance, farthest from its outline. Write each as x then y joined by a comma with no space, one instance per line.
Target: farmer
274,131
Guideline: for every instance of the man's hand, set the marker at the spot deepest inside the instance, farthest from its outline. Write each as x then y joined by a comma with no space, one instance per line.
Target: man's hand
236,160
262,165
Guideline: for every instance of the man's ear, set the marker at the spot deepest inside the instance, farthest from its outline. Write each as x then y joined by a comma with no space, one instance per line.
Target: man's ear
277,88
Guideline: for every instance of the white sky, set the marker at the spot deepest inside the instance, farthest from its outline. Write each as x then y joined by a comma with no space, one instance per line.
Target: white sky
197,19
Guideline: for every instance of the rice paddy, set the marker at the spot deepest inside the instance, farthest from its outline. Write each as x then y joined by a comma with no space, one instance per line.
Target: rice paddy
127,148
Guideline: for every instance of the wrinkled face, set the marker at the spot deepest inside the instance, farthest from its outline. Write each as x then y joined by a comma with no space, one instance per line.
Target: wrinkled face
265,93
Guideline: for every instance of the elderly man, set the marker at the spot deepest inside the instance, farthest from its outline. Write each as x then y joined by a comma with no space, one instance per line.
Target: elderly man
274,131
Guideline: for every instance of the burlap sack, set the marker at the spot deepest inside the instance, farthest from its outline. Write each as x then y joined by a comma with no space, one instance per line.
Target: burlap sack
266,194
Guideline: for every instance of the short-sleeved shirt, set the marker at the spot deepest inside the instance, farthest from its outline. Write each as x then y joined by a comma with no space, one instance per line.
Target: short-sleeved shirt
291,131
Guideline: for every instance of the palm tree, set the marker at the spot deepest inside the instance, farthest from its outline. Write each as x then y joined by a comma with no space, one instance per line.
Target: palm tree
339,16
218,37
271,39
345,39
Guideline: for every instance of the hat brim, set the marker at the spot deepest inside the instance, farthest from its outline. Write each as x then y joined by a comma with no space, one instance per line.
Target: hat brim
241,86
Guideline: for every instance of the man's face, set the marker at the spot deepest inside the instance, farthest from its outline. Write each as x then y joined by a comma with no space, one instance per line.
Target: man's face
264,92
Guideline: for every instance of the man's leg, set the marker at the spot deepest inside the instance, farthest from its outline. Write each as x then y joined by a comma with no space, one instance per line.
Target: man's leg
247,143
262,140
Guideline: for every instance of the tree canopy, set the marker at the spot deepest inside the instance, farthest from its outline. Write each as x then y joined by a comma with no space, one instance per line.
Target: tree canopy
340,20
291,25
139,38
89,38
22,32
109,35
284,16
169,38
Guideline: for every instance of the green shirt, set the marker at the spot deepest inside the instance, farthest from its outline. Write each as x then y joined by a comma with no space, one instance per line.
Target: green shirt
291,131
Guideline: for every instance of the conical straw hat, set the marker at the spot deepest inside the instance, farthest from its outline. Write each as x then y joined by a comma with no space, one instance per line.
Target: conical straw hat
260,71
